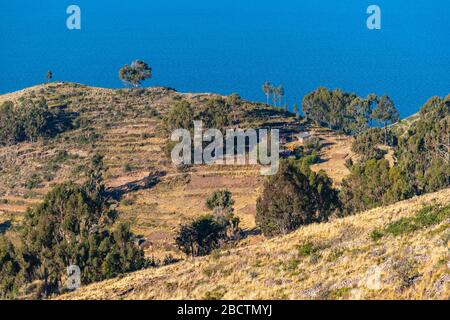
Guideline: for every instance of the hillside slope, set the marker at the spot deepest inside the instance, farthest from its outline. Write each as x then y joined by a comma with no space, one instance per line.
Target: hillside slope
125,126
335,260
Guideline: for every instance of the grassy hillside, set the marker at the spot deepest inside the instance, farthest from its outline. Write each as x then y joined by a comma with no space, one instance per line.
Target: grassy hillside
342,259
125,126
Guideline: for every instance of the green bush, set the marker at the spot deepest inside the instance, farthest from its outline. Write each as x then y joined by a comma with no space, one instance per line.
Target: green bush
426,217
365,144
10,269
201,236
30,121
74,226
373,183
295,196
220,199
307,249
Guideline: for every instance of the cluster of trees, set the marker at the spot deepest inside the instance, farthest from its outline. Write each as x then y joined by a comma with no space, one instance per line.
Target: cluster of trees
277,93
73,226
216,113
423,151
207,233
347,112
296,196
367,144
29,121
373,183
293,197
422,161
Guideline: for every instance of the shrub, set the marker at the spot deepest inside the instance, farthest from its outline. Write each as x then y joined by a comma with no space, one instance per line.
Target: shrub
9,269
180,116
220,199
32,120
426,217
128,167
307,249
313,144
366,144
216,114
201,236
373,183
293,197
74,226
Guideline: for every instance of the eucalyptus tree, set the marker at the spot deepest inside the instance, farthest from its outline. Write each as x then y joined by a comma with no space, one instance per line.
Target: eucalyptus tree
135,73
386,113
49,76
267,89
281,93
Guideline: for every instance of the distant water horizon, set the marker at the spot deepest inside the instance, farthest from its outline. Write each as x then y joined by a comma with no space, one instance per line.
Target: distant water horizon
228,46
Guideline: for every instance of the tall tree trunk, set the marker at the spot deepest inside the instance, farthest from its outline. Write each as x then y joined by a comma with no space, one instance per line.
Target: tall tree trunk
385,133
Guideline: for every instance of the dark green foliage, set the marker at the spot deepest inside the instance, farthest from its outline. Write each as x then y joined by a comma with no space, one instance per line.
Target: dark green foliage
30,121
180,116
49,76
201,236
423,150
373,183
74,226
332,109
136,73
307,249
310,158
234,100
9,269
220,199
422,161
216,114
11,128
267,89
349,163
295,196
128,167
347,112
312,144
366,144
207,233
386,113
426,217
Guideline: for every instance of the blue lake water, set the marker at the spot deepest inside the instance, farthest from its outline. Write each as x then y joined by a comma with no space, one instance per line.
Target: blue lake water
230,46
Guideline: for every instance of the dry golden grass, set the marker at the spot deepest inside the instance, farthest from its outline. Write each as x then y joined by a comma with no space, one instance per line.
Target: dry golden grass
334,260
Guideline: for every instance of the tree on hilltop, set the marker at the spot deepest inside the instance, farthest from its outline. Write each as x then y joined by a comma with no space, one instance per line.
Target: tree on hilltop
267,89
49,76
135,73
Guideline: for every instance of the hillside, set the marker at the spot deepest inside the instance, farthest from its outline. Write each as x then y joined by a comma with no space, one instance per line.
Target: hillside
330,260
335,260
125,126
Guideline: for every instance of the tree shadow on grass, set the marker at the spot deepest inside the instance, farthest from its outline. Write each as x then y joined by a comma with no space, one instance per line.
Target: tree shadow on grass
5,226
148,182
249,232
